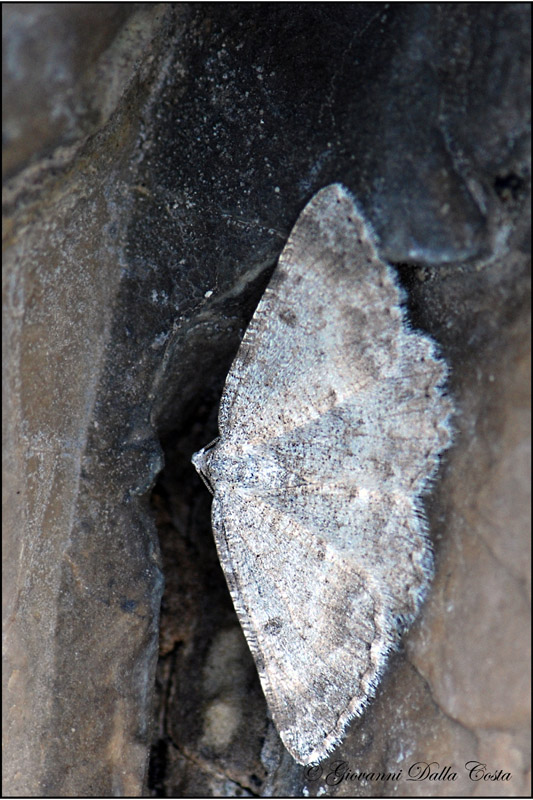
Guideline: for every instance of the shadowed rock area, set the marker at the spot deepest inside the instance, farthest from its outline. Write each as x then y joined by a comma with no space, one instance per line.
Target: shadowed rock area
155,158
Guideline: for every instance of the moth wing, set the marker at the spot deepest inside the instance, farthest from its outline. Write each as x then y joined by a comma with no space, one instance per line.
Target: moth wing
312,617
317,339
295,357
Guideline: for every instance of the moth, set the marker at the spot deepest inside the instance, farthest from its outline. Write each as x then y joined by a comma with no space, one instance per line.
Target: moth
332,421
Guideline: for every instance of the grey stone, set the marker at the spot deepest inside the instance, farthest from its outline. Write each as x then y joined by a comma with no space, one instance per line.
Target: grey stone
82,578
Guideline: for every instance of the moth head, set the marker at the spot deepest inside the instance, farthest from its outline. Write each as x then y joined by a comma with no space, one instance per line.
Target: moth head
201,461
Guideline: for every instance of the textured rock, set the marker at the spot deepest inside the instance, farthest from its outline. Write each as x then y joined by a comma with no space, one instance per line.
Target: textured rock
59,82
154,165
82,580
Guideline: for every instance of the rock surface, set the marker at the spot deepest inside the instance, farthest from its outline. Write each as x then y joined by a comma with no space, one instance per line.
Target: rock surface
156,157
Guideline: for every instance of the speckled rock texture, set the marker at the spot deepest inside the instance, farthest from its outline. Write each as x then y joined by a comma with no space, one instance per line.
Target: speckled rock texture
155,158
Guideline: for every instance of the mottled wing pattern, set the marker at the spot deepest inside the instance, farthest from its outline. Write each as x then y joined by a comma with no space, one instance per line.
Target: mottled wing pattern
331,423
312,616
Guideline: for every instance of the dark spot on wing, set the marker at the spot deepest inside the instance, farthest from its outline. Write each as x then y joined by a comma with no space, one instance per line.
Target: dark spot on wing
273,626
289,317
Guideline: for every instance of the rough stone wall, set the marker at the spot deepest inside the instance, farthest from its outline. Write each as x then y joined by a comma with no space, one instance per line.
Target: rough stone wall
155,158
82,579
